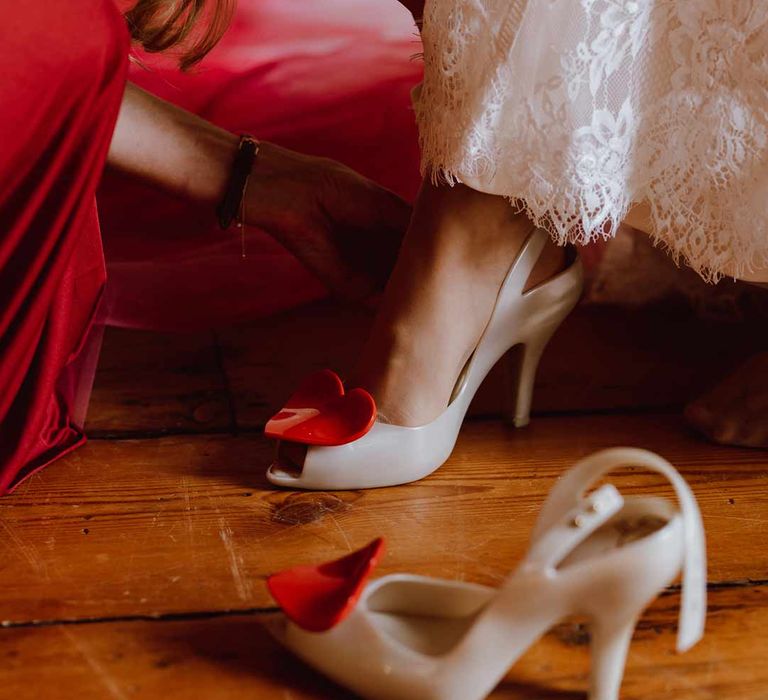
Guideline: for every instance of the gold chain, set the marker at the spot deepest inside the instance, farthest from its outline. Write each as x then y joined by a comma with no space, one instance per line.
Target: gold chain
243,211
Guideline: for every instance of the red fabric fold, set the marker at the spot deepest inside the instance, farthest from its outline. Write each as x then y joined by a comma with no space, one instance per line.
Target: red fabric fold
64,66
330,78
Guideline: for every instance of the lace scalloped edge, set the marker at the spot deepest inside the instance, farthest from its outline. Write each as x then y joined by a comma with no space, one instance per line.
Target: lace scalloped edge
747,260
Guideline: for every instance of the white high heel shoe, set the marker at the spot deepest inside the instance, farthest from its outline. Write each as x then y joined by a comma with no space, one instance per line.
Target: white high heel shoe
382,454
407,637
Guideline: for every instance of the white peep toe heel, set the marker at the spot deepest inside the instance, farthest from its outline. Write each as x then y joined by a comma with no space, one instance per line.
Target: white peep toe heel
349,449
601,555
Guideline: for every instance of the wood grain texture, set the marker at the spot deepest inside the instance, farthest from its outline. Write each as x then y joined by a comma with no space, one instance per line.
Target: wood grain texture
157,383
601,359
234,657
187,523
265,361
127,568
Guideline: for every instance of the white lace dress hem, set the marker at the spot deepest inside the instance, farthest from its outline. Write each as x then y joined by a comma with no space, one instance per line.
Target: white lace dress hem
575,110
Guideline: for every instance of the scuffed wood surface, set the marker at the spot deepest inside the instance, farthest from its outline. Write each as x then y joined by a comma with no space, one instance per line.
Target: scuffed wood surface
188,523
234,657
135,567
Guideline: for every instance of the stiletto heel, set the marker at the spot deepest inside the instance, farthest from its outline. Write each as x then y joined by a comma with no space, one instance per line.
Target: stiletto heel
350,449
511,365
520,368
609,648
529,363
601,555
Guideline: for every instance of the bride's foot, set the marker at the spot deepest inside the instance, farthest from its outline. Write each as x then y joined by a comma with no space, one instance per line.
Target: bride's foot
735,412
454,259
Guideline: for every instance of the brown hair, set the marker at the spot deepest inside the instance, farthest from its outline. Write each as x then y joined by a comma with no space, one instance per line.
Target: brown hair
193,26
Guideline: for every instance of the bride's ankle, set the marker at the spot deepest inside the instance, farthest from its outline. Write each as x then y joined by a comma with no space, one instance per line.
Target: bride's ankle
477,232
389,368
440,298
553,260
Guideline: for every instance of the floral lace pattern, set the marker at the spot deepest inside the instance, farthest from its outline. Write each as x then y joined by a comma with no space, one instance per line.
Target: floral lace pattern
577,109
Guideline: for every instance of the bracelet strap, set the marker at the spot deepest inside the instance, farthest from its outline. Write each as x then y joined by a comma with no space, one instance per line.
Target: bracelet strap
238,178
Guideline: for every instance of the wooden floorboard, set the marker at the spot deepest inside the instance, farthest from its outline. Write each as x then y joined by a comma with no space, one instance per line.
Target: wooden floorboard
602,358
188,523
135,567
234,657
158,383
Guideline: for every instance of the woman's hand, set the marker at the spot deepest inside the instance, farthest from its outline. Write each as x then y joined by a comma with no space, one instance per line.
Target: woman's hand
343,227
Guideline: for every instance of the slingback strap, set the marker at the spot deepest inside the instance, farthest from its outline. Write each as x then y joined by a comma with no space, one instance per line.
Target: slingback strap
571,529
569,492
526,260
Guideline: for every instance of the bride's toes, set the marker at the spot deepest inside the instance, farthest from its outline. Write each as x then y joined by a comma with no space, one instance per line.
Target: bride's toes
700,416
289,459
736,411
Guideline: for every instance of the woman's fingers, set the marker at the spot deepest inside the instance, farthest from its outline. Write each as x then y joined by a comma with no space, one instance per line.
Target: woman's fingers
368,222
343,227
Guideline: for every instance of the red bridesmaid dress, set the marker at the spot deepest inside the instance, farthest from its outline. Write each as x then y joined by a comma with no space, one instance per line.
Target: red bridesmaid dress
62,76
331,78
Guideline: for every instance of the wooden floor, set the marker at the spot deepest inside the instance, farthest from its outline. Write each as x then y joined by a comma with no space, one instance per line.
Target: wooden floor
135,567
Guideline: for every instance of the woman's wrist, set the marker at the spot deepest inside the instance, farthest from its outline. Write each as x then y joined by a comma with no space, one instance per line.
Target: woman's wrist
211,157
231,207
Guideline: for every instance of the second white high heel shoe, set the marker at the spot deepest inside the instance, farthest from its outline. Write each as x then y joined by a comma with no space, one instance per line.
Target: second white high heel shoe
378,454
405,637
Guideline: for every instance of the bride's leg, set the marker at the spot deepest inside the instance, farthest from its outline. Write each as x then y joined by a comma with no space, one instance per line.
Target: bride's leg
735,411
454,258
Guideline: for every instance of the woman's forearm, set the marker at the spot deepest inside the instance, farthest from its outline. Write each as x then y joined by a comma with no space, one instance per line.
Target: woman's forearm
171,148
343,227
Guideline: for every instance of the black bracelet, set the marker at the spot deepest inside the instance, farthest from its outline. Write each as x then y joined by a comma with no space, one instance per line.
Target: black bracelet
241,169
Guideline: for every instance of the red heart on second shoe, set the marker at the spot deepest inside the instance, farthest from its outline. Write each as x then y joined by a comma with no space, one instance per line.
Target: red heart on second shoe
321,413
317,598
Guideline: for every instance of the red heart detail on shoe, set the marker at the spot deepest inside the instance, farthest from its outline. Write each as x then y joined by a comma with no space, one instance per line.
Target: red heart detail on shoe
317,598
321,413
